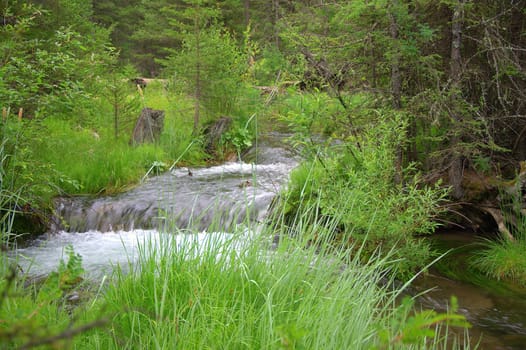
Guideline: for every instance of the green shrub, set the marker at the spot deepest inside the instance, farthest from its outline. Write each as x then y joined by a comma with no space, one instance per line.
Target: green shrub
27,182
270,65
355,186
44,312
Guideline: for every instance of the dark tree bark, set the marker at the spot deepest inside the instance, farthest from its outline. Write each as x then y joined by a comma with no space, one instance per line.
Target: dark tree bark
396,82
246,11
456,165
396,79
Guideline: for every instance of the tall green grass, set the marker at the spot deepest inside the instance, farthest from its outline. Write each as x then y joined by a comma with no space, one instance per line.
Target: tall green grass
504,258
9,193
236,294
90,159
95,163
235,291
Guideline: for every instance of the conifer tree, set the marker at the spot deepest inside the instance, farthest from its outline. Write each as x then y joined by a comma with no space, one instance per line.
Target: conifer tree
210,64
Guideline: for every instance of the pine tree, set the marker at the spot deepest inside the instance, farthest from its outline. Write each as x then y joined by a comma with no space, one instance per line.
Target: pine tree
210,65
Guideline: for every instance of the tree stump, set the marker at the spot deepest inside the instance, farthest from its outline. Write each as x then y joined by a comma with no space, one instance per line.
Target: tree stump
149,126
214,132
139,81
490,202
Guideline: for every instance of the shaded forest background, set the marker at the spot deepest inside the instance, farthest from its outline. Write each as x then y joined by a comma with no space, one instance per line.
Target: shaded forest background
454,69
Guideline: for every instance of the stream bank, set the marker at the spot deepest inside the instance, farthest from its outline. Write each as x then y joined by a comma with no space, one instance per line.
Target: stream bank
107,231
496,310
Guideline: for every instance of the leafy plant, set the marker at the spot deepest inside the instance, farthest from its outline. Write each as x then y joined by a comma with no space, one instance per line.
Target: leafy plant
240,138
422,325
38,313
69,273
355,187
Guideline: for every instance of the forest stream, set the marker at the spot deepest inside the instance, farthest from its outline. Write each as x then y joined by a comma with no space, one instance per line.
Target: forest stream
108,231
496,311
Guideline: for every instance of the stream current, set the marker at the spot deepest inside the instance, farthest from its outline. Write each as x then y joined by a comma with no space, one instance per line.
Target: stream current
108,231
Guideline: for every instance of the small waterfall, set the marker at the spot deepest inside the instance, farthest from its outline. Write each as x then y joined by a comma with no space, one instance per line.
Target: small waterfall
108,230
214,198
210,198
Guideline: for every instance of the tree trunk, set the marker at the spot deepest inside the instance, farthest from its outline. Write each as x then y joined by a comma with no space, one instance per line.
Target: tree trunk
116,113
197,96
456,42
275,19
396,83
246,12
456,165
197,101
396,80
373,66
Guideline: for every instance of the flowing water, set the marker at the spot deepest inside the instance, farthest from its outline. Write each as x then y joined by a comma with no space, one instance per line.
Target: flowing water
497,311
108,231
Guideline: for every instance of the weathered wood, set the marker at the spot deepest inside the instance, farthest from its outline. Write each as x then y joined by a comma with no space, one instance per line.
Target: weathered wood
214,132
141,82
496,214
149,126
494,203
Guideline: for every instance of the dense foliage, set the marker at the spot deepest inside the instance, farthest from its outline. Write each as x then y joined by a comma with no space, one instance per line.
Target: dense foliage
393,104
450,72
351,187
453,69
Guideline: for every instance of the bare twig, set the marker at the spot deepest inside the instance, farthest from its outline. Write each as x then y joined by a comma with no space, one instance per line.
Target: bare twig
66,334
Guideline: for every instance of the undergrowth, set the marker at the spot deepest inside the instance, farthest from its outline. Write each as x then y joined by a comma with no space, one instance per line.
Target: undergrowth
319,289
351,184
503,258
236,294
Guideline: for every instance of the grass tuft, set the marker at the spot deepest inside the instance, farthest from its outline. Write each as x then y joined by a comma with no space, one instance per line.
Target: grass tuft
503,259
